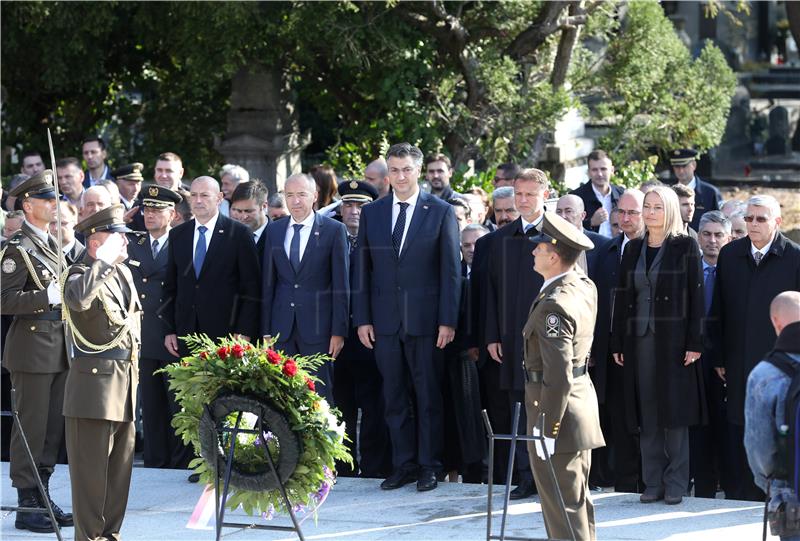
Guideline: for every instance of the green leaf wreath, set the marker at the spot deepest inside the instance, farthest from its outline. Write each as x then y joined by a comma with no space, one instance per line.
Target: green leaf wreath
233,366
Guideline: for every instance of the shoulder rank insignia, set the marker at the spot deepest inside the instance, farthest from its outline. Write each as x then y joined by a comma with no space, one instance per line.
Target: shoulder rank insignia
141,241
552,325
133,262
9,266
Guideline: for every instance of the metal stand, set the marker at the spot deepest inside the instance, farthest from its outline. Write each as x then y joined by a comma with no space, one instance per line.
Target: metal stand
226,465
514,437
47,509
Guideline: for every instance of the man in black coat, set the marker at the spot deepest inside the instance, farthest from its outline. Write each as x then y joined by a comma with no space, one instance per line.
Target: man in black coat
706,196
212,283
622,446
751,271
599,195
512,285
249,207
570,207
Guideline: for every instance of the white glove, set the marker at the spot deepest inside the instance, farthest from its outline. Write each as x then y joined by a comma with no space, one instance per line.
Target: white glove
53,293
111,250
549,443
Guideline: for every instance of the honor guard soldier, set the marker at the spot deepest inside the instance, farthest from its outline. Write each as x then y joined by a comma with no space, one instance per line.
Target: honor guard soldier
103,314
34,351
148,264
558,337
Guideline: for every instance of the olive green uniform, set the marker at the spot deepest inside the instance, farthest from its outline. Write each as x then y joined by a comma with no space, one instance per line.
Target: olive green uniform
558,337
103,310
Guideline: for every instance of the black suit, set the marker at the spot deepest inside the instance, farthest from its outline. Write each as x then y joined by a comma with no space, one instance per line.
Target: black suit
591,203
741,331
706,197
226,297
162,448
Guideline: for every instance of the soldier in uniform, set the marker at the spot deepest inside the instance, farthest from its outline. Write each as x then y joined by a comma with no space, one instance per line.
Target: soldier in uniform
34,350
557,340
103,314
148,264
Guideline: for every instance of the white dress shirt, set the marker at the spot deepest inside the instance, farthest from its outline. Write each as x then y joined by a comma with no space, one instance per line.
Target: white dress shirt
162,241
763,250
211,224
535,223
608,205
258,232
412,204
305,234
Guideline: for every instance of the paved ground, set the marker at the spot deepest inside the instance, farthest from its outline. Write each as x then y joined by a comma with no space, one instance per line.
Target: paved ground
161,503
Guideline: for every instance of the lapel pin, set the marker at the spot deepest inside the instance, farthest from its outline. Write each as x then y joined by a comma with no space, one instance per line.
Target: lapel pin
221,231
316,233
425,207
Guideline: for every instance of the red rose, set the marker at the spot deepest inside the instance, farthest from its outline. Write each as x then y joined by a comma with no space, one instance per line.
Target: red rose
273,356
203,355
238,351
289,368
310,384
223,352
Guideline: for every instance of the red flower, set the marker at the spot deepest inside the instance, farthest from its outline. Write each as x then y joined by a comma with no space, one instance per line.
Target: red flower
289,368
310,384
204,355
223,352
273,356
238,351
248,347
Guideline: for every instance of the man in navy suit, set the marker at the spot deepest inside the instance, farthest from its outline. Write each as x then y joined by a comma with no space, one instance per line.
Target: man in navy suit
406,292
305,282
212,283
599,195
570,207
706,196
249,207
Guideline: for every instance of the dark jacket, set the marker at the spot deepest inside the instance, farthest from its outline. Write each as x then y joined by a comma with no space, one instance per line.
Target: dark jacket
591,203
706,197
739,326
678,312
148,275
225,298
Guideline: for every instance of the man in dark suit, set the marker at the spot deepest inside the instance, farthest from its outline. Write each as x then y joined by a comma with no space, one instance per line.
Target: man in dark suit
621,455
148,254
570,207
249,207
305,284
750,272
95,154
512,285
359,385
599,195
212,283
405,304
707,197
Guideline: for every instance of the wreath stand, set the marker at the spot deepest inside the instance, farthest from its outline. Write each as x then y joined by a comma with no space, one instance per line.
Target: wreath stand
514,437
225,468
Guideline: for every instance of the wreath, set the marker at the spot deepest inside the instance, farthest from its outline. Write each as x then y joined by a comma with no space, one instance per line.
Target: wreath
232,384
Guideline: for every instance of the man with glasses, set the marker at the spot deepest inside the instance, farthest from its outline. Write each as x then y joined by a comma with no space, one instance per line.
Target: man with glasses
750,272
707,197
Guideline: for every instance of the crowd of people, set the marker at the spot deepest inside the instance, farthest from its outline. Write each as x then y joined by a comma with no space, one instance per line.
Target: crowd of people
421,296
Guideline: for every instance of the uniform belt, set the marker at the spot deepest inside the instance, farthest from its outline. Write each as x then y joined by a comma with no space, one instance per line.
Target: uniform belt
55,315
113,353
536,376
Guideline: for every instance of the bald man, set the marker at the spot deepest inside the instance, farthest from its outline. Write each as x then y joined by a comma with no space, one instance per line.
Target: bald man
377,174
570,207
766,396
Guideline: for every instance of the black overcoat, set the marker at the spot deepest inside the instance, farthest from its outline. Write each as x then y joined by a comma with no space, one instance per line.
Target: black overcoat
678,320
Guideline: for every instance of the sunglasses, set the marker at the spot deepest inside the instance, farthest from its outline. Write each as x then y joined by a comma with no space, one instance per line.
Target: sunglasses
759,219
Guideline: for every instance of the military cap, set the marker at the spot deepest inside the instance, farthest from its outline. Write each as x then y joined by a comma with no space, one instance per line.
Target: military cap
160,198
357,190
107,220
132,171
556,229
682,156
39,186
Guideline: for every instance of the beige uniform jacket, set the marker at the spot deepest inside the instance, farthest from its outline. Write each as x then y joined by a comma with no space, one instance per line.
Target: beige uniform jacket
558,337
33,344
100,386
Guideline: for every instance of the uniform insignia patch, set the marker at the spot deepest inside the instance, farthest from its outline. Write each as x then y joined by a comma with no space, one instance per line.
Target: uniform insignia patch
9,266
552,325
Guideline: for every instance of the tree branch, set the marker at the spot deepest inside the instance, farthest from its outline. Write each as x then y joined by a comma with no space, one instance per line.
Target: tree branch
531,38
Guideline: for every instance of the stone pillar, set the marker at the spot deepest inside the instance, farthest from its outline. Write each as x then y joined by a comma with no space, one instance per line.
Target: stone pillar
263,134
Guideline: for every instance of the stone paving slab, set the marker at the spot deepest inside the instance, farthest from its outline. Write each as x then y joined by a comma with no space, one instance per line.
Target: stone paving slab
161,503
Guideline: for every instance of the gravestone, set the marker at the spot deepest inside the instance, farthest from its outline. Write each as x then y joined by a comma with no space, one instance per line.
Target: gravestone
779,142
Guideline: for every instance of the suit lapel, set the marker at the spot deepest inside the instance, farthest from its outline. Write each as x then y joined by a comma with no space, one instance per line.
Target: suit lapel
277,240
420,214
384,219
220,229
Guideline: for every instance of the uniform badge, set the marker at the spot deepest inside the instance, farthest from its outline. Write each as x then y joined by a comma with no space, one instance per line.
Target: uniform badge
133,263
45,274
552,325
153,191
353,185
9,266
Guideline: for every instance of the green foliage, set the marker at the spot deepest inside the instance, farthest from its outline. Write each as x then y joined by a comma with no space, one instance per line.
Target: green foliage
631,174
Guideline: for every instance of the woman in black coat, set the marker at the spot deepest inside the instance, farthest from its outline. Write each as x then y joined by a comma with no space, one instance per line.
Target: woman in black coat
656,336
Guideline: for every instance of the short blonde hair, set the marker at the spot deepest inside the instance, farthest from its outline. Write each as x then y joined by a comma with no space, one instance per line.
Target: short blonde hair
673,223
536,175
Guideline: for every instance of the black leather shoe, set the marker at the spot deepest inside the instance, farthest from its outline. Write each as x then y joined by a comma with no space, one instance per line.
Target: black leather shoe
427,480
650,497
673,500
33,522
525,489
398,479
194,478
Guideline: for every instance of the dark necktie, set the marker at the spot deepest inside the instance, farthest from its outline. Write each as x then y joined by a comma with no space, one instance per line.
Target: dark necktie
757,257
200,250
399,228
294,247
352,240
530,230
155,249
709,286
